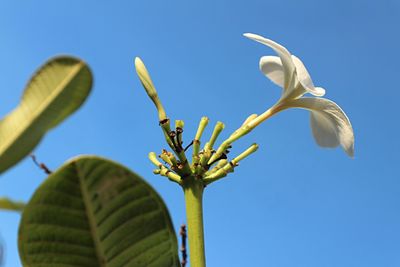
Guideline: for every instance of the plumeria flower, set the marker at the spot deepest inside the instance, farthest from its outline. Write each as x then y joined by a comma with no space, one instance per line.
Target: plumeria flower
330,125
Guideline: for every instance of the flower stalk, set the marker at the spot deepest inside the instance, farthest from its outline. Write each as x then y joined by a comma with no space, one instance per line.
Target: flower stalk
193,190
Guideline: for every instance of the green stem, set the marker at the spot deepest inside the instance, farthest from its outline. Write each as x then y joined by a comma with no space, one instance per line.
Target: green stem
193,190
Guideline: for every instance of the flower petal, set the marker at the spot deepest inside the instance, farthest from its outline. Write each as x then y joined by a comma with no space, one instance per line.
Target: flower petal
271,66
304,78
329,123
285,56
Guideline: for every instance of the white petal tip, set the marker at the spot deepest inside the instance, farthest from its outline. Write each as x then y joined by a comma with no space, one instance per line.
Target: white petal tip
252,36
319,91
350,151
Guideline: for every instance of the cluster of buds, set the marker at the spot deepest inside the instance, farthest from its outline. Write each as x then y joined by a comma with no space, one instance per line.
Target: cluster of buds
208,163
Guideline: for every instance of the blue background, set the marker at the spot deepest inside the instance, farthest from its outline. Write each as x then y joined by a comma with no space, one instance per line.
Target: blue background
292,204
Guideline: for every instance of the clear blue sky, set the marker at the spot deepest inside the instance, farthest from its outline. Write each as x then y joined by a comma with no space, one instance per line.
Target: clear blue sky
292,204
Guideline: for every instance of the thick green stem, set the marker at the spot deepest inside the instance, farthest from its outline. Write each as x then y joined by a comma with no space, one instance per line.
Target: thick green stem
193,190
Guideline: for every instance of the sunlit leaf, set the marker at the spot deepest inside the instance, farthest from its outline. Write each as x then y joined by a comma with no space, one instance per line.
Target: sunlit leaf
55,91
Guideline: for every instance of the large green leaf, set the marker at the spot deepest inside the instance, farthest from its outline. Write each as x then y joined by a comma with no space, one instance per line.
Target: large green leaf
94,212
55,91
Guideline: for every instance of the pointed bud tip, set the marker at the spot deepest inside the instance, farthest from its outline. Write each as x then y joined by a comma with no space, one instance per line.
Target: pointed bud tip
140,67
138,64
145,78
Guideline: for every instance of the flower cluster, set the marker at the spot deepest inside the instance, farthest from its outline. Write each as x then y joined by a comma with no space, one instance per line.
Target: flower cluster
330,125
204,167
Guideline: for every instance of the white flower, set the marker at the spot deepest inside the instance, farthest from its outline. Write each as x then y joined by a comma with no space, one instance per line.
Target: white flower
330,125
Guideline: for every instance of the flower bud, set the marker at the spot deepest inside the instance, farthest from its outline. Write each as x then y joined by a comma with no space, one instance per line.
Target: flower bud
148,85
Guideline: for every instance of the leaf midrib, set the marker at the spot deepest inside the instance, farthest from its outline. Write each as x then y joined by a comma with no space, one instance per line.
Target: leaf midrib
90,215
35,115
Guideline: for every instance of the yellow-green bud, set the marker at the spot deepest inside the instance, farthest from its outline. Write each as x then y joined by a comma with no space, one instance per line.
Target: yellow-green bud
148,85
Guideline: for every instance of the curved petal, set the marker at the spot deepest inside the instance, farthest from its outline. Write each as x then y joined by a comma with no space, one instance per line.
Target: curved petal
304,78
329,123
285,56
271,66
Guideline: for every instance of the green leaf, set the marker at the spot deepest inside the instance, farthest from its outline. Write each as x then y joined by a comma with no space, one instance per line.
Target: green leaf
8,204
94,212
55,91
